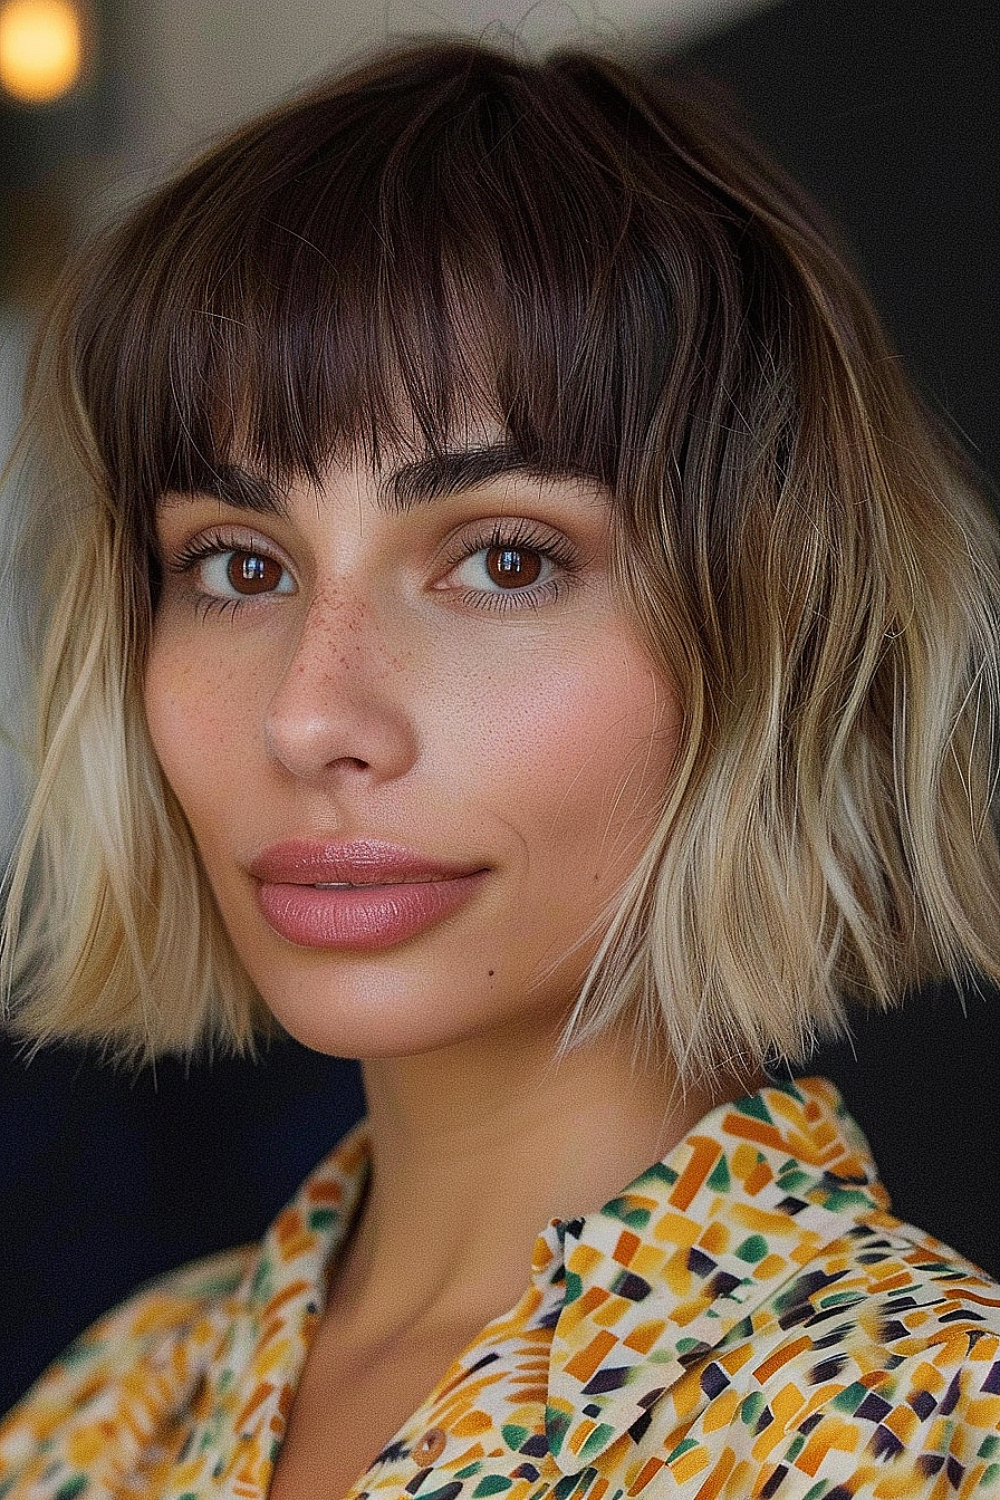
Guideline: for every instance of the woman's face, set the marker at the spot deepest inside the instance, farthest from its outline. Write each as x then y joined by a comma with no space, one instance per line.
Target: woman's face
416,736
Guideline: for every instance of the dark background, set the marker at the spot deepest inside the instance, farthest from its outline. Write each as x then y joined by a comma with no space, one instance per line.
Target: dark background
888,113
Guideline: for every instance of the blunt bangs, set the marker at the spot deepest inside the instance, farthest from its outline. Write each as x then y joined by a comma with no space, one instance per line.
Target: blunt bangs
447,237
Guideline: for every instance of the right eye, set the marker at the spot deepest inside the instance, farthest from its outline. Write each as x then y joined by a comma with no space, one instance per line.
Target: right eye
240,573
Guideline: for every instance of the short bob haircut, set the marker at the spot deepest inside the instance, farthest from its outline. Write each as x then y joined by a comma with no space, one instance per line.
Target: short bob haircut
637,295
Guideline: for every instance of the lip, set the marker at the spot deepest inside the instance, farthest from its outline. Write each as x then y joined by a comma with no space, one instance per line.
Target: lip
382,893
358,862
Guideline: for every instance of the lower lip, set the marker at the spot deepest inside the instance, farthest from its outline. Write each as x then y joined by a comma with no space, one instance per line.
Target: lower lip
369,916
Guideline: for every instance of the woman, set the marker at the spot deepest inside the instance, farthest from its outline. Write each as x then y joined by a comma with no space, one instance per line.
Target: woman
512,626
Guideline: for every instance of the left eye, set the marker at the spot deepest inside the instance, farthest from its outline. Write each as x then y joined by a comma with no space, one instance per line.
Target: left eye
502,566
244,573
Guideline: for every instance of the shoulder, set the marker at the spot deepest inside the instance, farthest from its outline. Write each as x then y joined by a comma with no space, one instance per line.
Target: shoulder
164,1327
747,1318
128,1394
875,1370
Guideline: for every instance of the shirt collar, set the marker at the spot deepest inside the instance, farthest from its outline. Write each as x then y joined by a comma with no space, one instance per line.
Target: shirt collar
633,1292
665,1270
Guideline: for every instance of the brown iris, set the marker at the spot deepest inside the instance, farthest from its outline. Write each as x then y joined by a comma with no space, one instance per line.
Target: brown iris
252,573
513,567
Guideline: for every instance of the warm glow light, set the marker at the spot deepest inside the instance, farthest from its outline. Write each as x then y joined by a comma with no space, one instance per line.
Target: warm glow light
41,49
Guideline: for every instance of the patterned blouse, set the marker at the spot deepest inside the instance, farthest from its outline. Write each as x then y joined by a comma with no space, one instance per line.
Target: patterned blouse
745,1319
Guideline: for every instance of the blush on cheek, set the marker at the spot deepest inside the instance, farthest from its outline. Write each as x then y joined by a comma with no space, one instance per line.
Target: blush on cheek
196,720
576,763
597,730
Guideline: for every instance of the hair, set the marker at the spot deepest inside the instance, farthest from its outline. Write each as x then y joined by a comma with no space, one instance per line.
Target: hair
639,296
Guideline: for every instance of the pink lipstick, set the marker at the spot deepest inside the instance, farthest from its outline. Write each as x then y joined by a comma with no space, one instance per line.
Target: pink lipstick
362,894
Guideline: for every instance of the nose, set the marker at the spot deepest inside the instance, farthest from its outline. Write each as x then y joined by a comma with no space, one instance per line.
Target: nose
341,705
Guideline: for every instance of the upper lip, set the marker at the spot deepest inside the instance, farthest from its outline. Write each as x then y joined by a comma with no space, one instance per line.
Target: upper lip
357,862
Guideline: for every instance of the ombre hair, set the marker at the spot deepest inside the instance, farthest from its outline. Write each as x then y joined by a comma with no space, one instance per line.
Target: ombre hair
635,294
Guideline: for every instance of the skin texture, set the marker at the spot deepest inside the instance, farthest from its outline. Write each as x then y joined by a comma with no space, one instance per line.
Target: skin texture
385,684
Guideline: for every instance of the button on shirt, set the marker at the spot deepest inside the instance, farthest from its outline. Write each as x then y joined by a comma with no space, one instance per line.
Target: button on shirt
744,1319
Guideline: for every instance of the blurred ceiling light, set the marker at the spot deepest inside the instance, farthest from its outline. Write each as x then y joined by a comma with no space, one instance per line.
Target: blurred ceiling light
41,49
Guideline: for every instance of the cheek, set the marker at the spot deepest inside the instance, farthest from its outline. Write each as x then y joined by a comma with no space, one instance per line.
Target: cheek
572,755
196,721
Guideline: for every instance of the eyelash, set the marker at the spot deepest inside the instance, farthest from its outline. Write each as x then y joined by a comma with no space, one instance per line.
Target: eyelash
512,534
211,545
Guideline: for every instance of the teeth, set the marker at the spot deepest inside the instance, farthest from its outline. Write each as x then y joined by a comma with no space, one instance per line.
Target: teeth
334,885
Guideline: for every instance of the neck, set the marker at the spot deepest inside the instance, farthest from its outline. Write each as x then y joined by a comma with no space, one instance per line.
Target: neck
474,1151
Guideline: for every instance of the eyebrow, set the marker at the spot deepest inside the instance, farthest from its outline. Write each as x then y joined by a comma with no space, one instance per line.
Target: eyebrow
449,472
436,476
237,487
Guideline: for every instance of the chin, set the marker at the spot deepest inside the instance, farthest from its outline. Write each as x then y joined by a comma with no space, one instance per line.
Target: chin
444,989
379,1019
